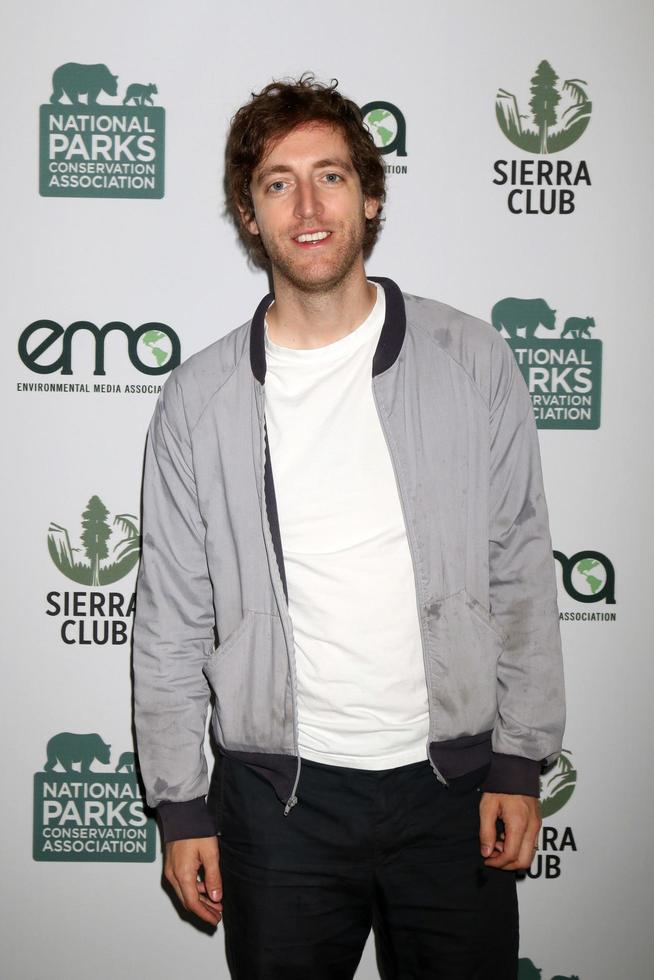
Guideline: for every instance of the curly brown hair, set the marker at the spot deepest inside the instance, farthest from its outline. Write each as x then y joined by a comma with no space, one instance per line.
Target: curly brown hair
270,115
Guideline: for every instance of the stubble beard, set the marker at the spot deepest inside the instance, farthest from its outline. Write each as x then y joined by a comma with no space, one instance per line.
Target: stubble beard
331,278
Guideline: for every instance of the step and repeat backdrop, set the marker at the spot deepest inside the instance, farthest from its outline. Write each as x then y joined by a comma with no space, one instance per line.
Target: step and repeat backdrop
518,155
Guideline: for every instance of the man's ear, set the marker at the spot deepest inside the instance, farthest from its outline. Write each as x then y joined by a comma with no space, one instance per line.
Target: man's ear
248,221
370,207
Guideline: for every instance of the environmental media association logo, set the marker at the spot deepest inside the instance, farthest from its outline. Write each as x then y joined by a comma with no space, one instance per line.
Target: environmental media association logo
110,549
588,577
109,149
528,971
559,115
563,374
45,347
387,125
86,813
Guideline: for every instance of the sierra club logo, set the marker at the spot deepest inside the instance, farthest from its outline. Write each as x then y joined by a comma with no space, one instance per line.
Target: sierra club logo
563,374
556,789
559,115
588,577
558,785
95,539
85,808
107,552
528,971
387,125
108,149
45,347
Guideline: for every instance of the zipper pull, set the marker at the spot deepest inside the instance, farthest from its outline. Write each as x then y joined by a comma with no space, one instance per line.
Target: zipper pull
289,806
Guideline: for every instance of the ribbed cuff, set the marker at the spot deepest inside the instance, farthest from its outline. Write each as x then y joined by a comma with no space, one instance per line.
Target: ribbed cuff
512,774
179,821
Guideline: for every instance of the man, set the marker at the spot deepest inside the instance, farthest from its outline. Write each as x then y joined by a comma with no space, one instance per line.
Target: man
387,678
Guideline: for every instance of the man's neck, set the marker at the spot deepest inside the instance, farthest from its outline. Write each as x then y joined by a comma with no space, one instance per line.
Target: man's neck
304,320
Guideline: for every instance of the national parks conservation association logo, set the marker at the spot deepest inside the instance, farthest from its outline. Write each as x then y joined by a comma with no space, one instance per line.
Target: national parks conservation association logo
88,807
112,148
104,551
563,374
558,115
387,125
527,970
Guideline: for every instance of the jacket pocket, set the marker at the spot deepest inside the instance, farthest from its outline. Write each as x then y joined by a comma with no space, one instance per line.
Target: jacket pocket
231,639
466,647
483,615
248,674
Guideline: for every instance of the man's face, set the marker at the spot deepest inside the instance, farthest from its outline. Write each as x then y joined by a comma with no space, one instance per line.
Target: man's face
309,208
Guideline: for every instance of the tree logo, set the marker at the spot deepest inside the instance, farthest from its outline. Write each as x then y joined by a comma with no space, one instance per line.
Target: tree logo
86,808
558,785
88,148
110,549
559,113
564,373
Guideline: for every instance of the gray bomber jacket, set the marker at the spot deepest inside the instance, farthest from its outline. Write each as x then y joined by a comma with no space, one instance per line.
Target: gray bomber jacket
461,435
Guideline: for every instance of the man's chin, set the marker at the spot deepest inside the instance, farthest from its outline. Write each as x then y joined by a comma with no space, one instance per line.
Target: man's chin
314,278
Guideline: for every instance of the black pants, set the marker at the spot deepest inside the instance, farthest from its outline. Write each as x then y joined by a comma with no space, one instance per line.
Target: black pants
393,850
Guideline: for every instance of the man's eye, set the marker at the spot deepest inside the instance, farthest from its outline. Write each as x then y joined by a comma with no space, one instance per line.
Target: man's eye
332,178
277,185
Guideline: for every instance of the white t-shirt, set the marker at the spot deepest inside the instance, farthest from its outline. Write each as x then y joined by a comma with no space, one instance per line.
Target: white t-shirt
362,693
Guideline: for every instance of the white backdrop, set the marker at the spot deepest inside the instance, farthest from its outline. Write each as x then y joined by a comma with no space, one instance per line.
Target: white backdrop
174,260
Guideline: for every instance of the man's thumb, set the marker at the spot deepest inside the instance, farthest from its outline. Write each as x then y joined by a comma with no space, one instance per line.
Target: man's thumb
487,836
212,880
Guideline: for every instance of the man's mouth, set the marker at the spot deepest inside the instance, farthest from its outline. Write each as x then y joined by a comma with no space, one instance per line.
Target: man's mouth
311,237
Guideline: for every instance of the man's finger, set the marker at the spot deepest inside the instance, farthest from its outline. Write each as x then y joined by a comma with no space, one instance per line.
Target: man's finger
529,845
192,901
172,881
521,830
488,812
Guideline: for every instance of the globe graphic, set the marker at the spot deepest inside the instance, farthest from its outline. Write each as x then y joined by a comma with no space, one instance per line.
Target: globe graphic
383,126
588,576
154,348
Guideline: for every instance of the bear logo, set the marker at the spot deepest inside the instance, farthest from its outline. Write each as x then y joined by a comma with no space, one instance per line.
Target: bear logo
69,749
74,80
528,971
127,761
578,326
140,93
515,314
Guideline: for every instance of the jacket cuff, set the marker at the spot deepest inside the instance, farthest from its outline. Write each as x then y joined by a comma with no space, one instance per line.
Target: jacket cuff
512,774
179,821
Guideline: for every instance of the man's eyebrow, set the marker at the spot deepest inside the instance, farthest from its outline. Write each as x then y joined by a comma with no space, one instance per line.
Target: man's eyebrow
284,168
335,162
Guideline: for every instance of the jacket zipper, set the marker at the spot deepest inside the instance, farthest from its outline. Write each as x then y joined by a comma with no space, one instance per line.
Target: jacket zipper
410,541
281,607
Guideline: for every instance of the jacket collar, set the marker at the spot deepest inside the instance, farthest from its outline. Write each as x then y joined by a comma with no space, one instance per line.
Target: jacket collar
388,346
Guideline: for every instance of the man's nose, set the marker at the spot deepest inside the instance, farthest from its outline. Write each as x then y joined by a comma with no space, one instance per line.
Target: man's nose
307,200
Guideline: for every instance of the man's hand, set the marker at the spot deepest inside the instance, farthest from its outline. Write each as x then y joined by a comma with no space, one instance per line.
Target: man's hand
183,861
514,850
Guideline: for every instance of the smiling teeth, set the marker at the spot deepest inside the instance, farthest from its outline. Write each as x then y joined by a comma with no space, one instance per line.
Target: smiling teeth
316,237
